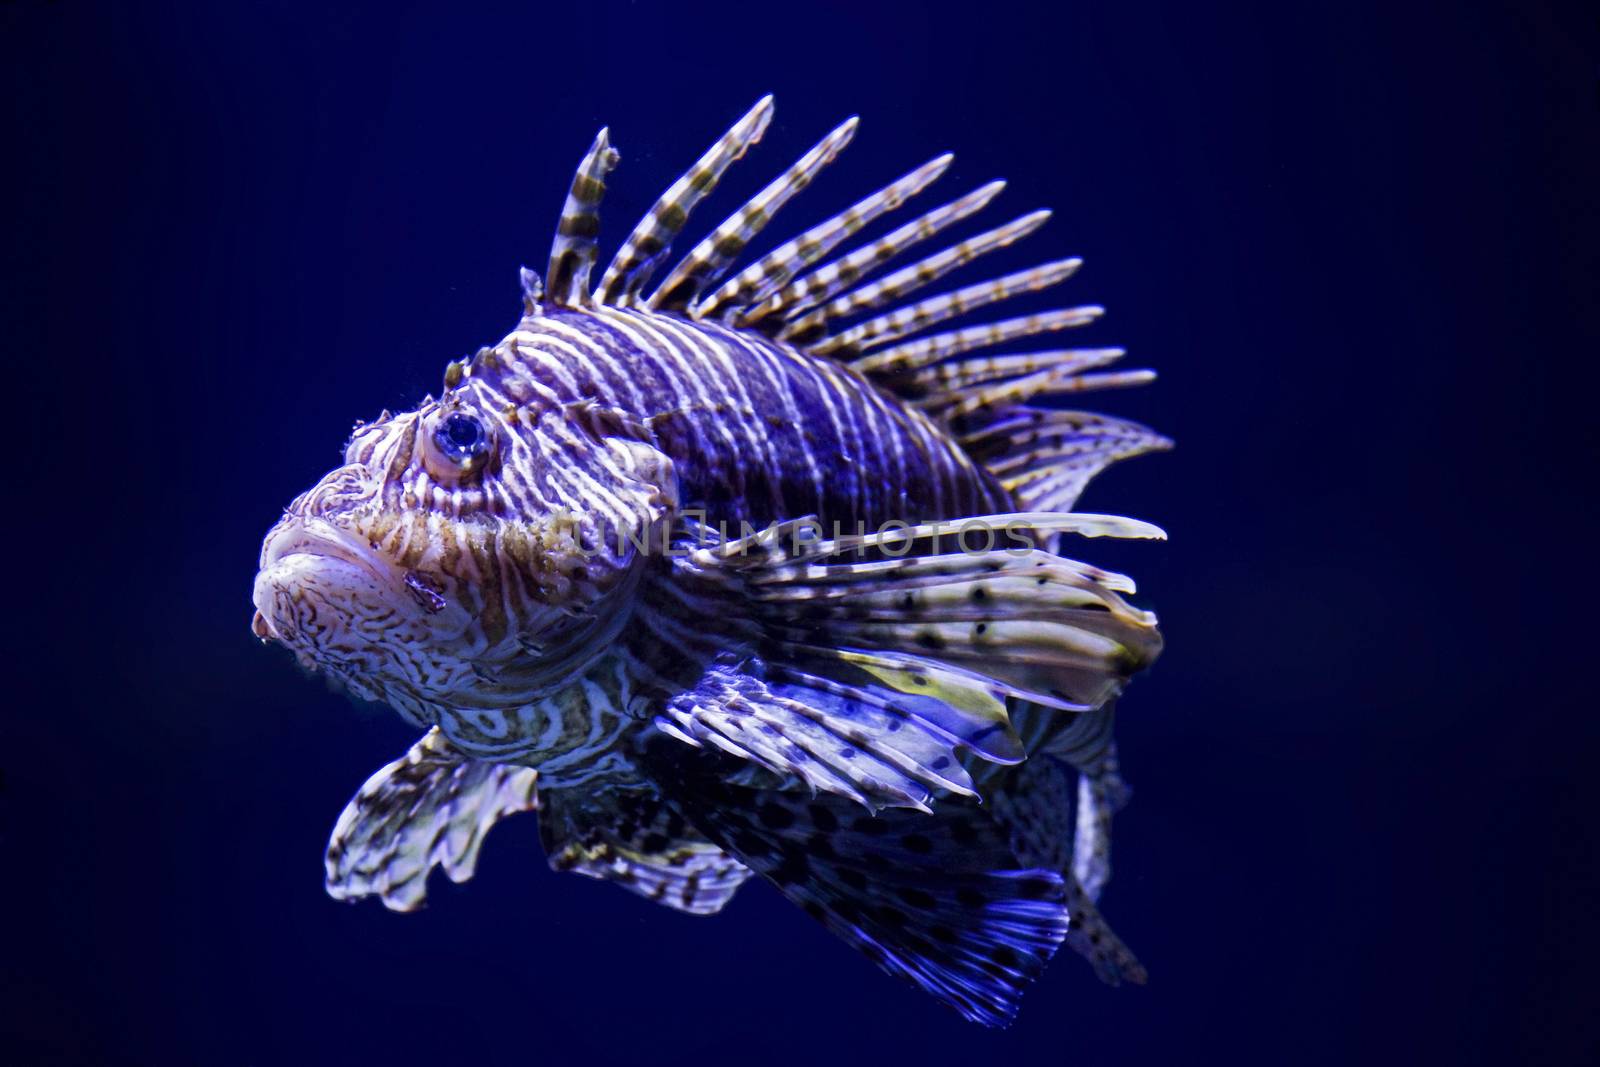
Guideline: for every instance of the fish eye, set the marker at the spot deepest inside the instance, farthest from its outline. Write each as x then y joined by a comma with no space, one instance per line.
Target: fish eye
461,438
457,445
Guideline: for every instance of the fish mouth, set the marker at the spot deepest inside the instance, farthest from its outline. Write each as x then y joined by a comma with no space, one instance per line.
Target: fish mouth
319,537
311,538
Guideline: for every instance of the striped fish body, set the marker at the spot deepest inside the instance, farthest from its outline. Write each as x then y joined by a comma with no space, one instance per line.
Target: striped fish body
758,432
674,566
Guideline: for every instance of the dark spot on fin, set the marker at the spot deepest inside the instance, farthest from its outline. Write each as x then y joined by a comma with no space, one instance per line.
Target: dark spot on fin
940,900
638,841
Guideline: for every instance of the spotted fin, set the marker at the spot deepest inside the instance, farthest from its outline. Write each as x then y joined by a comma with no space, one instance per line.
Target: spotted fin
429,808
1036,805
854,741
939,900
941,634
634,839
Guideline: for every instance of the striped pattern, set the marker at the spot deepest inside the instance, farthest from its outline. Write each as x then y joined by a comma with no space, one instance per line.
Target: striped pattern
757,430
653,236
833,278
712,256
573,253
762,279
511,589
884,329
941,382
1045,458
908,280
625,833
964,403
1041,810
927,352
429,808
601,401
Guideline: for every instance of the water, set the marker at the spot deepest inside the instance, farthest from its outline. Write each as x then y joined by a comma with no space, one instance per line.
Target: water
1358,245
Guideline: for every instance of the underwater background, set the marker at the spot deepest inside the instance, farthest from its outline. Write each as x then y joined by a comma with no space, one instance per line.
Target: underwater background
1358,240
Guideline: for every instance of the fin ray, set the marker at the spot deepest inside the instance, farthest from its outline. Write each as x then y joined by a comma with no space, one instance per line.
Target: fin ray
902,322
760,280
909,279
430,808
941,639
1047,456
833,277
572,254
635,840
647,245
939,900
712,256
927,352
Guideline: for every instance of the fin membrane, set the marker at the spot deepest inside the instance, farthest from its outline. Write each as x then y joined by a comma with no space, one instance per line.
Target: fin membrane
633,839
803,293
870,677
855,741
939,900
1046,457
1036,805
429,808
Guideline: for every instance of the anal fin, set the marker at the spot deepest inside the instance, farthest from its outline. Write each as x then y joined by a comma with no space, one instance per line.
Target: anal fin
940,900
635,840
1037,806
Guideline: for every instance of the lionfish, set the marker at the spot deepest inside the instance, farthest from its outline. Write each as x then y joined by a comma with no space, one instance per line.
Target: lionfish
758,577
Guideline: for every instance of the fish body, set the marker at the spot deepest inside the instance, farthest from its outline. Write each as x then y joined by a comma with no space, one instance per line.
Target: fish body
749,575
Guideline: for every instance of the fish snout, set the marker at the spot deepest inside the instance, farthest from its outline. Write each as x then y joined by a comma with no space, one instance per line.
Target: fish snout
316,586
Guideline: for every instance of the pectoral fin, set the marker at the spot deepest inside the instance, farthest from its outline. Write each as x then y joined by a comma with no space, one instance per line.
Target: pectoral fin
873,676
429,808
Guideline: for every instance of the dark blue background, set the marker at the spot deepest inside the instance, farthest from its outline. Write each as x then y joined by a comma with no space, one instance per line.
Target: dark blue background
1359,241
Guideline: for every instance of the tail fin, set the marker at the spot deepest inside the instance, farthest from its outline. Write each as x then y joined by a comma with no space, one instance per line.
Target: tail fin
1037,805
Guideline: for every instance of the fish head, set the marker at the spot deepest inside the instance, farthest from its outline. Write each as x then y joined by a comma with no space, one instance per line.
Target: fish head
472,554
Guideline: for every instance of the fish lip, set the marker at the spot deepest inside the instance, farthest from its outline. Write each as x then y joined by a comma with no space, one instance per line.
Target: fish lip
309,535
